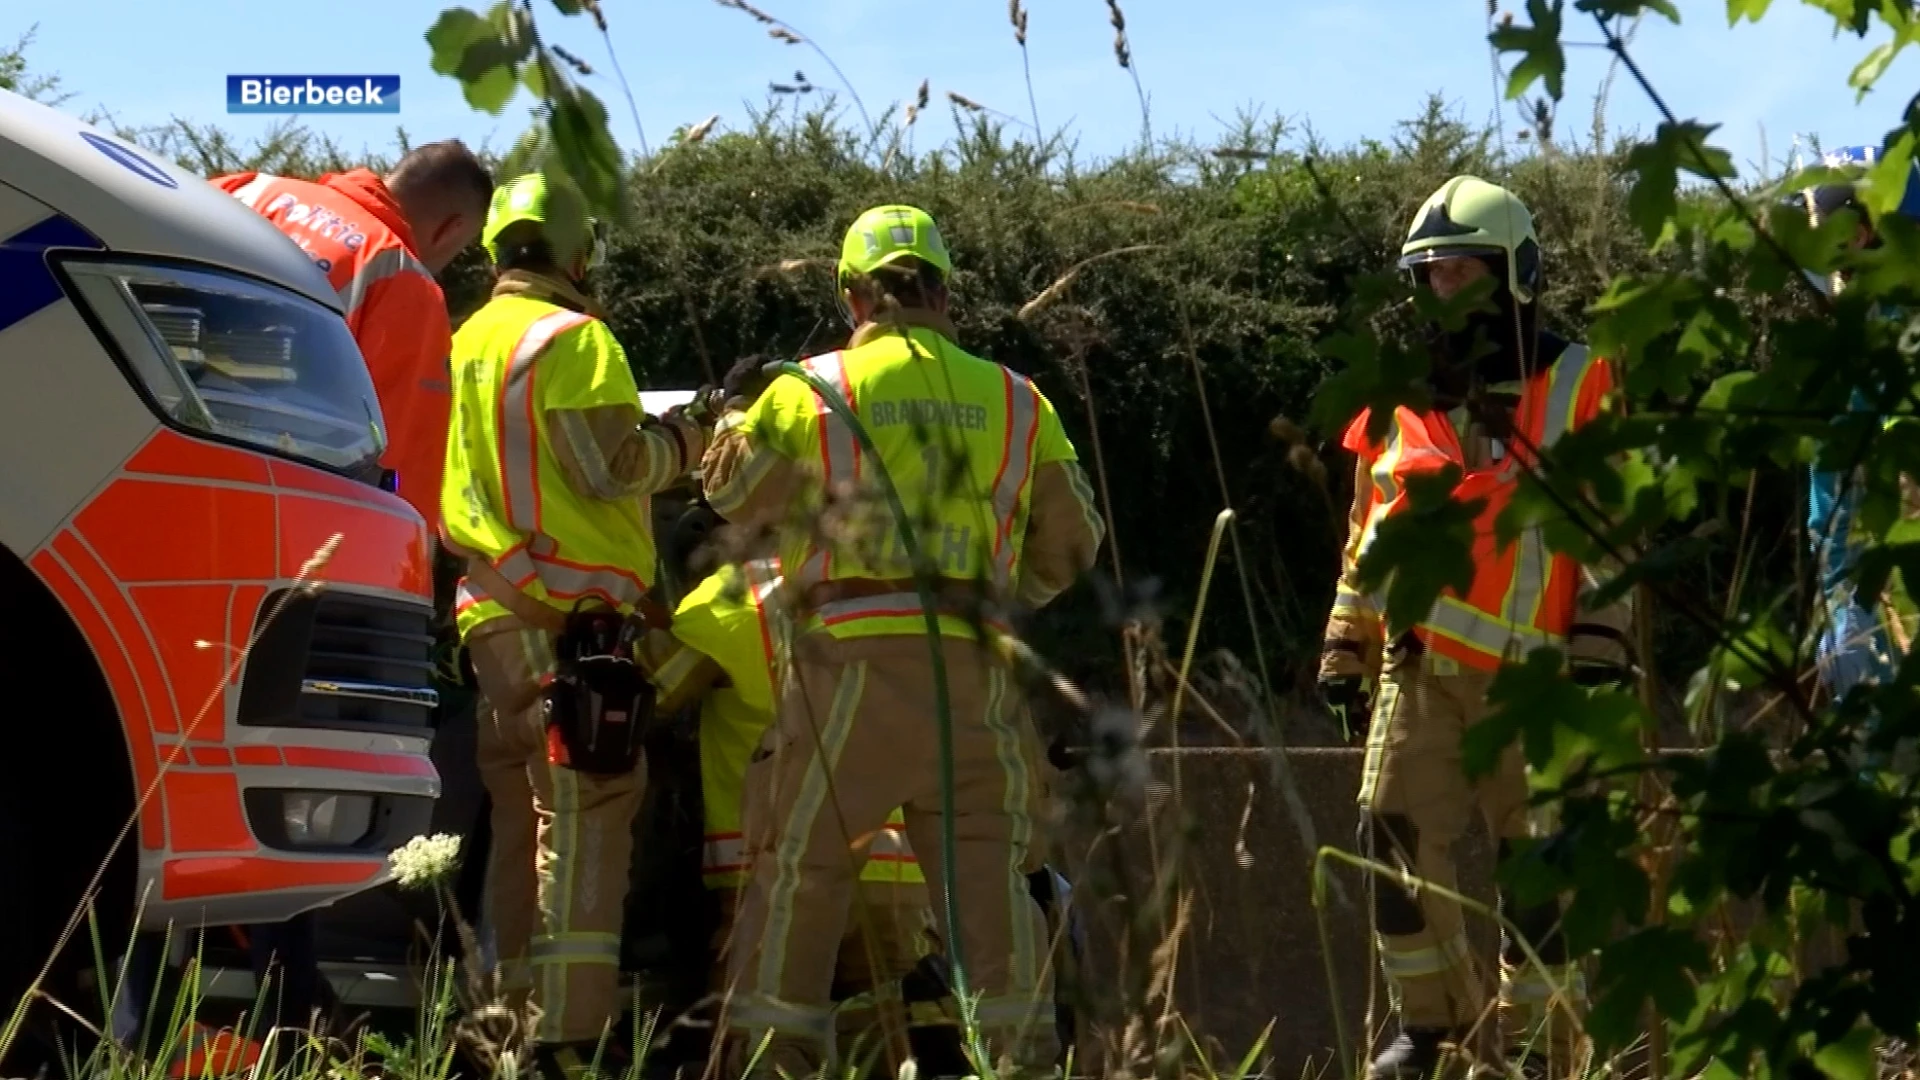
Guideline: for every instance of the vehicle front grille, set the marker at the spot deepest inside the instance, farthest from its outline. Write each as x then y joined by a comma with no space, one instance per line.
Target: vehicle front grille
338,660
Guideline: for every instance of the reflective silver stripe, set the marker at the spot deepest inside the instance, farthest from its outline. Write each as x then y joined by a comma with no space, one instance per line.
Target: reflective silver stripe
1016,468
1531,985
1456,619
894,605
1008,1010
1345,599
1533,562
1431,960
839,452
761,1011
723,853
381,265
568,583
576,948
518,426
729,497
586,451
251,191
890,843
1563,390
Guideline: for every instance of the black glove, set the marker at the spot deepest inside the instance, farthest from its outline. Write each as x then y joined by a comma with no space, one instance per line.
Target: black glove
746,379
1350,699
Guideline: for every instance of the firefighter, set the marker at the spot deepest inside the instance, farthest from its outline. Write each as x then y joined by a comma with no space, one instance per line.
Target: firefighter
549,467
1000,505
1861,638
732,632
380,241
1500,388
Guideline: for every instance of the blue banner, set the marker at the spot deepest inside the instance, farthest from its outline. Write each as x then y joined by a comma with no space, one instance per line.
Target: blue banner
313,93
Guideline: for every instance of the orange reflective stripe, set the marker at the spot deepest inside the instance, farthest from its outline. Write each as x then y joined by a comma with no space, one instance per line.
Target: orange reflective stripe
1016,469
519,427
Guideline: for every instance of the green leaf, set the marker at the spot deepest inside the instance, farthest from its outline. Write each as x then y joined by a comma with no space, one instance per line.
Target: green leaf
513,26
584,145
1869,69
1422,549
1543,57
1852,1058
569,7
1653,964
452,32
534,77
1751,10
1628,9
1657,165
491,91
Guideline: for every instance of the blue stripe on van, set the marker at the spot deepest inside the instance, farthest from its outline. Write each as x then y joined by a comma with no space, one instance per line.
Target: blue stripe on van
23,266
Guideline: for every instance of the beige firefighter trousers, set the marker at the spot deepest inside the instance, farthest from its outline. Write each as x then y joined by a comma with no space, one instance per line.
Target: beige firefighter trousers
562,843
856,737
883,941
1415,799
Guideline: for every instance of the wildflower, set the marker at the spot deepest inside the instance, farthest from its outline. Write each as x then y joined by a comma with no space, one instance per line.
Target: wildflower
425,861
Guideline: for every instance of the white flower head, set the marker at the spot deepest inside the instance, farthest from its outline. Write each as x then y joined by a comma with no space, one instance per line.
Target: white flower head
425,860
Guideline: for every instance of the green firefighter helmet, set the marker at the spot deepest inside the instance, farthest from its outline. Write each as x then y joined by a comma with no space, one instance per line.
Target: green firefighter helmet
1469,216
553,204
887,234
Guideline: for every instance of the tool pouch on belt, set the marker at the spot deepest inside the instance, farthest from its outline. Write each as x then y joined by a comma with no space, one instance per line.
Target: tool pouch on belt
599,701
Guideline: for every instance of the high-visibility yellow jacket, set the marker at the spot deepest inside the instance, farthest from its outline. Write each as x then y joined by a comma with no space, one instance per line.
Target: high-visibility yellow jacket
732,624
976,451
549,465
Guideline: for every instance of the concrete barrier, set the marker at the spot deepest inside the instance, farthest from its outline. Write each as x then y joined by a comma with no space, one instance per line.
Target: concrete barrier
1252,952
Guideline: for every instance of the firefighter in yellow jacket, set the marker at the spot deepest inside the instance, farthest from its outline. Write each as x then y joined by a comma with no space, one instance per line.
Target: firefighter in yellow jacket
999,503
1490,413
732,634
550,464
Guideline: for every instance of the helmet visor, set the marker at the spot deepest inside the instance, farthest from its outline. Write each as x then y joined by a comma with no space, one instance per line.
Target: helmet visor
1451,251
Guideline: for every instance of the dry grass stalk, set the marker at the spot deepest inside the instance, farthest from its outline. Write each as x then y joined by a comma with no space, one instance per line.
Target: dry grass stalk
1017,15
781,33
965,102
1118,18
919,103
1060,284
754,12
699,131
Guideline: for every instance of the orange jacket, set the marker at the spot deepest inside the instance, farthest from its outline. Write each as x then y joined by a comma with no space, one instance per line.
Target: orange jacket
351,226
1523,595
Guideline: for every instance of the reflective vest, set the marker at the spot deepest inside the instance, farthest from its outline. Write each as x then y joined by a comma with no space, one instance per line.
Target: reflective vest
1523,595
504,495
351,227
734,616
961,438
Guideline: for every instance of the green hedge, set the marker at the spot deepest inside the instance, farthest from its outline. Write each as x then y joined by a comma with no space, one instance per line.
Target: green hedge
1244,260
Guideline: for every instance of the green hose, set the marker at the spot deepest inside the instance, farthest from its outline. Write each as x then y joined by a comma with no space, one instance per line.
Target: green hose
942,706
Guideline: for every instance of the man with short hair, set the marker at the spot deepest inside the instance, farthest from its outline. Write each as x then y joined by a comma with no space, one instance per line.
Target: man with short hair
381,240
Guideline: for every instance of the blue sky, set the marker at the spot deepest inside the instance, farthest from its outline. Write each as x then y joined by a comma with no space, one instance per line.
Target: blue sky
1348,67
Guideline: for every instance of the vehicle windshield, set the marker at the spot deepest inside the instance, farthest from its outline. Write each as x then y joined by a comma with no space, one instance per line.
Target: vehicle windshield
233,357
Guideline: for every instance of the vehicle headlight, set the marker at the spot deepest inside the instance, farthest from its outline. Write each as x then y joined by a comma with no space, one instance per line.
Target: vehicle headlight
326,818
229,356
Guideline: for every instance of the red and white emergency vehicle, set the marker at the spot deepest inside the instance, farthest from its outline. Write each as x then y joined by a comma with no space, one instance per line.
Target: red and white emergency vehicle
186,424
